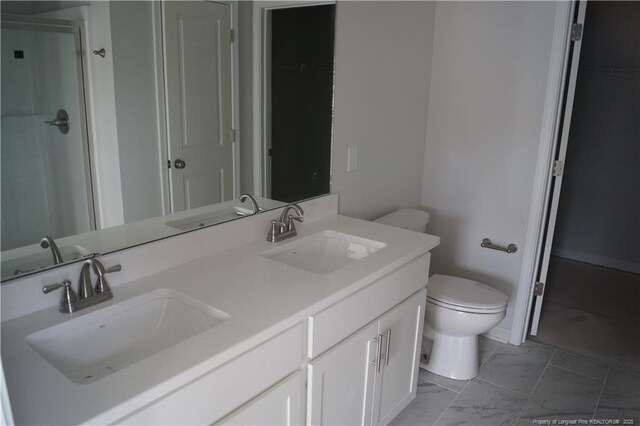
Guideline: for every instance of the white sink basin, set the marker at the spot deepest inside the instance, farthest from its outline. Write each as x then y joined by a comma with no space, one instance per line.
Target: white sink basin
324,252
218,216
98,344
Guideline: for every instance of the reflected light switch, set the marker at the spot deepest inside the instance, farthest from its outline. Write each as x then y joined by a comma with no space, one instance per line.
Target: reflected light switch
352,159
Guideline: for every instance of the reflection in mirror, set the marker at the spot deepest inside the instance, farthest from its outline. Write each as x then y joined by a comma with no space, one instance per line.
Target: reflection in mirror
300,63
126,122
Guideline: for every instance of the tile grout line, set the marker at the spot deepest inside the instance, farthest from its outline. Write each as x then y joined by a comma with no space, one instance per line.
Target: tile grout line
451,403
444,387
537,383
579,374
429,380
488,357
501,387
601,391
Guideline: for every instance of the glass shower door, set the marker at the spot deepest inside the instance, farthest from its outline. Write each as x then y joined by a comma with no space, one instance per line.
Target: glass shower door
46,174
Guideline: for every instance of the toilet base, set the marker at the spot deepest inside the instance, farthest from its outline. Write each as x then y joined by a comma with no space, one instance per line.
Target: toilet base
454,357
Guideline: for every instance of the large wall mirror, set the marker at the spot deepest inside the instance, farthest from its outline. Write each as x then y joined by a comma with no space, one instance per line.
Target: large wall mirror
127,122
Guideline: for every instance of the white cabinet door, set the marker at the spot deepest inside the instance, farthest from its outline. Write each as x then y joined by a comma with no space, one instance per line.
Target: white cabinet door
339,389
401,332
280,405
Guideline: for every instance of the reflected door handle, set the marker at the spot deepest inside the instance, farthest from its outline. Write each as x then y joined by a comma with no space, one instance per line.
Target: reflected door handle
179,164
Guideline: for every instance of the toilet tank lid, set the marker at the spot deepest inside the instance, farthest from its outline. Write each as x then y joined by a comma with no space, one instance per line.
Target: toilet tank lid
464,293
411,219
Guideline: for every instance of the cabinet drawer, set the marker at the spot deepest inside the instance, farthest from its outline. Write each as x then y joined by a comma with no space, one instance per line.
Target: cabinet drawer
219,392
328,327
281,405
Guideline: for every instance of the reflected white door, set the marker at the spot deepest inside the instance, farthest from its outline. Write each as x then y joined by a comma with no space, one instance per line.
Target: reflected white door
197,39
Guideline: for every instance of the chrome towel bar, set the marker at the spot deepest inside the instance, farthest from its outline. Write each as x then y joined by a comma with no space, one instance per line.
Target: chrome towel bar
511,248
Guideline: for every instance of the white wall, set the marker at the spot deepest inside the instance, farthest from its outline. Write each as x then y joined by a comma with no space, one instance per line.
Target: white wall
382,63
600,199
488,81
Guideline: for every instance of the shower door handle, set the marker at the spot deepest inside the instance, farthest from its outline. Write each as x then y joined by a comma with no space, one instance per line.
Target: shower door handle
61,121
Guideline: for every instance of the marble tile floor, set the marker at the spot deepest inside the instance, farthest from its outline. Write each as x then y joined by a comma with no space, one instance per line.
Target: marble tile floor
527,384
592,311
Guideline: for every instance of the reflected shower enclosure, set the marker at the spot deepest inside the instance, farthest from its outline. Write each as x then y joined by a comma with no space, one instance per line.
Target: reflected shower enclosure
46,174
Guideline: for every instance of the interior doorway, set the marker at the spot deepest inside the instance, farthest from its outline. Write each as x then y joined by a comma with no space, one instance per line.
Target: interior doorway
592,286
299,101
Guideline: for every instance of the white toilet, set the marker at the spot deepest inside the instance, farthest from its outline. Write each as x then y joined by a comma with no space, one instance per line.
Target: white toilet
458,310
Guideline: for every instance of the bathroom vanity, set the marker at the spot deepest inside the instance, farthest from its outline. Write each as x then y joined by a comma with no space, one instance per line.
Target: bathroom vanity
322,328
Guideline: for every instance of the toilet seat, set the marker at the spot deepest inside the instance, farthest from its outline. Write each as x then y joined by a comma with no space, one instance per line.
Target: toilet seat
464,295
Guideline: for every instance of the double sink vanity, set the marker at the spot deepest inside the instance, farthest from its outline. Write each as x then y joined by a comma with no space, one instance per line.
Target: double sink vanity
222,326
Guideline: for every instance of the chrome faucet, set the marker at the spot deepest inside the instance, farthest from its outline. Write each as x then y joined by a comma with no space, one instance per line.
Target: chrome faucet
47,242
245,197
285,227
87,294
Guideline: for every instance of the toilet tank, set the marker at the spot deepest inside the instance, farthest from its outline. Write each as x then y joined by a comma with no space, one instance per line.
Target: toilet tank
411,219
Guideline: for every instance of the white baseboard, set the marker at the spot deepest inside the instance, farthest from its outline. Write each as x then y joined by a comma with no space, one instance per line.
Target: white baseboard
607,262
499,334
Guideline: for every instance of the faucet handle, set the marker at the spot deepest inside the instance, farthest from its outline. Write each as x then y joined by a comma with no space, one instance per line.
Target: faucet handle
98,267
52,287
114,268
69,297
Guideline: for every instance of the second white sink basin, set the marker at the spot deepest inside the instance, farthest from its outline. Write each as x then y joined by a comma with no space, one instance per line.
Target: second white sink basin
324,252
98,344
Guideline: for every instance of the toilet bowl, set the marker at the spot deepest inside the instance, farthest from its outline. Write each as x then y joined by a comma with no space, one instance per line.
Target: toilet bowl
457,311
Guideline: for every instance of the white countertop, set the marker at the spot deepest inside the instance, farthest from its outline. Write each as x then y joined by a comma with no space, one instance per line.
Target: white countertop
263,298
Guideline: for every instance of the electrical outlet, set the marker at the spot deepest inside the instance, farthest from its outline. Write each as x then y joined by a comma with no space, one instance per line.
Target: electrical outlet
352,159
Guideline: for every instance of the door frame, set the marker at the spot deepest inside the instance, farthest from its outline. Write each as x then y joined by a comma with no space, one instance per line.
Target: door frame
262,87
235,92
553,140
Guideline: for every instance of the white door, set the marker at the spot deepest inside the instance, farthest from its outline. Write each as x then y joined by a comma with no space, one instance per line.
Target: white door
556,183
280,405
340,382
197,37
401,331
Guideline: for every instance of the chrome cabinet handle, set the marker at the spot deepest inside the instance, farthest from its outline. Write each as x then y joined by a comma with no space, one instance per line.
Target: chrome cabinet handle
378,361
387,336
179,164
